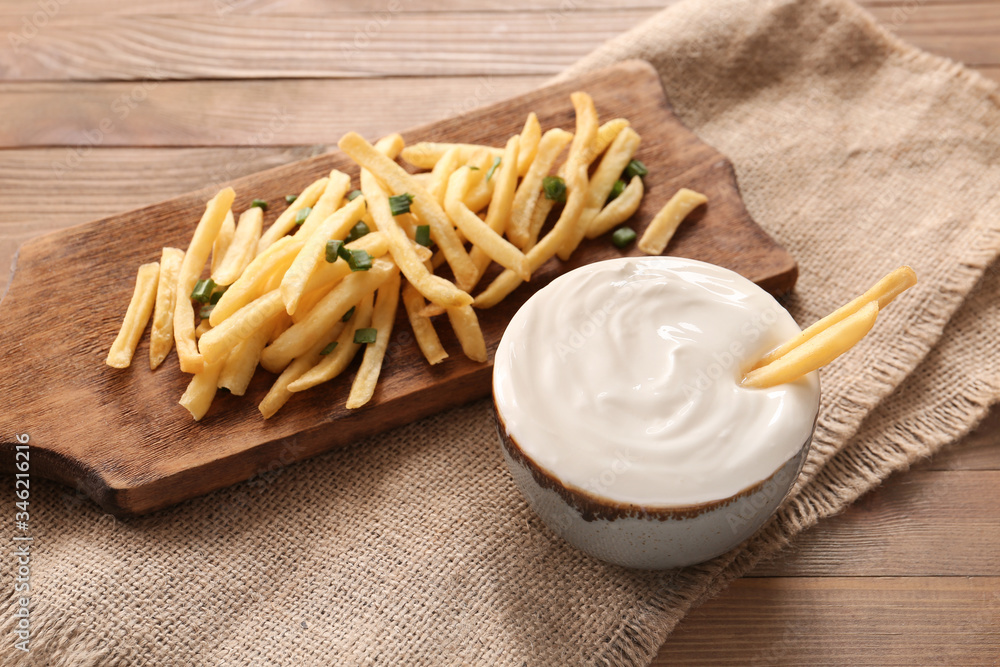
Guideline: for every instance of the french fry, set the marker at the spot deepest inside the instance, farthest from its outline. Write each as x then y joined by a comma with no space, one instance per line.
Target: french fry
399,181
480,191
203,327
482,236
435,288
336,226
390,145
201,390
663,225
217,342
239,367
303,335
508,281
337,187
254,279
286,221
527,143
242,249
603,180
816,352
606,134
280,327
383,317
190,359
161,335
425,154
470,335
580,154
549,147
336,361
279,394
883,292
543,207
136,317
423,328
498,215
223,240
618,211
328,275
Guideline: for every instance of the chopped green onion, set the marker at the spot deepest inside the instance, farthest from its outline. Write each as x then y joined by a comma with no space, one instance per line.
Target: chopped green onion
423,235
333,247
617,189
328,349
344,253
555,188
473,168
635,168
259,203
216,295
623,236
348,315
354,194
301,216
400,204
206,311
357,232
493,168
360,260
290,199
362,336
202,291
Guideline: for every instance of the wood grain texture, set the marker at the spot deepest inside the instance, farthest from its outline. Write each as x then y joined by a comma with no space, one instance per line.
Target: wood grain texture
397,38
234,113
843,621
133,449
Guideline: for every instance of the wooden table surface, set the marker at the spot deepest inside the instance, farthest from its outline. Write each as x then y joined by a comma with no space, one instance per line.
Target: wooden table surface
107,106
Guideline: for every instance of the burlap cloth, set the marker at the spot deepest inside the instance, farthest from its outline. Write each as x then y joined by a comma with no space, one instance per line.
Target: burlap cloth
858,152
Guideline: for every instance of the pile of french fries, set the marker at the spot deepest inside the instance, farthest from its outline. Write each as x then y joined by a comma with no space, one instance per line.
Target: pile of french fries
324,280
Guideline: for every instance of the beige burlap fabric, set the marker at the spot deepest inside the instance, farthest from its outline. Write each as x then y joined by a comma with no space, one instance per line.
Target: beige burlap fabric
857,152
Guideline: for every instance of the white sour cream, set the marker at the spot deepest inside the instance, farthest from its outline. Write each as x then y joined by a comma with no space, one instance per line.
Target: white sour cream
621,379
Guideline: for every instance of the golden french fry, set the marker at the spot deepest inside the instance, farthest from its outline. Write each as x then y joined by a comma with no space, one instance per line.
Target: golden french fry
217,342
882,293
208,227
383,317
390,145
253,282
239,367
663,225
606,134
423,328
328,275
527,144
280,327
549,147
477,231
399,181
543,207
328,203
242,249
279,394
498,215
580,153
466,325
618,211
203,327
480,191
136,317
223,240
286,221
426,154
336,361
336,226
433,287
816,352
606,175
508,281
161,335
303,335
201,390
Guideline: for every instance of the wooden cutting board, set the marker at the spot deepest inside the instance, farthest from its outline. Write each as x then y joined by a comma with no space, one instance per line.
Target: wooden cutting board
121,437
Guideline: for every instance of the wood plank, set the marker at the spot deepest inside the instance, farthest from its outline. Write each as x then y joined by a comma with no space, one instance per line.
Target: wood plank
219,113
963,31
138,450
980,450
924,523
350,45
842,621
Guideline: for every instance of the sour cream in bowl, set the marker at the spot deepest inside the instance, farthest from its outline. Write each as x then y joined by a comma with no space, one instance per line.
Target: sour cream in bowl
622,420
